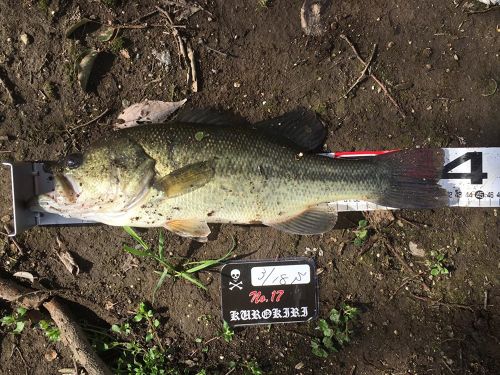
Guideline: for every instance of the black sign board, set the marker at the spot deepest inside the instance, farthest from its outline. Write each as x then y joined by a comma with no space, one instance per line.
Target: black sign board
269,291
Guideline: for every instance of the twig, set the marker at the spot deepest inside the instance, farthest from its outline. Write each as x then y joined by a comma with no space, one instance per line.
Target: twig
71,333
483,10
353,370
185,5
22,358
147,15
8,90
205,343
406,281
405,265
180,42
7,229
389,96
410,222
13,292
215,50
73,336
430,300
92,121
192,78
373,76
363,74
368,245
448,367
186,53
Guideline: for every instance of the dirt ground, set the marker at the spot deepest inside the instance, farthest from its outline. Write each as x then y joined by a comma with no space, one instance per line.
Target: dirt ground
440,64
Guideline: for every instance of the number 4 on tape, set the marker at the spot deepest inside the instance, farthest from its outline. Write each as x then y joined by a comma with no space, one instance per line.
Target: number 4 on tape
269,291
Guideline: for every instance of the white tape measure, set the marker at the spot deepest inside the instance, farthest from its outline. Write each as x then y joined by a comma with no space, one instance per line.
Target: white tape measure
471,176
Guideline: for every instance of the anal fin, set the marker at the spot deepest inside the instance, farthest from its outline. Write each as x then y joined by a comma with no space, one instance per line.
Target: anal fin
314,220
196,229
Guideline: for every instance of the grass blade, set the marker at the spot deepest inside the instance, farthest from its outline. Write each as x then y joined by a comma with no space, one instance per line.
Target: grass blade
161,245
192,279
136,252
136,237
210,262
164,275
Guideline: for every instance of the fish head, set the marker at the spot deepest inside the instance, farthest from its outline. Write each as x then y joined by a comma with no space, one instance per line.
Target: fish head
111,177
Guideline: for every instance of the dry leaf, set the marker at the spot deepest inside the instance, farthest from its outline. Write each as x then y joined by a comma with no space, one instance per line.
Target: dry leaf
110,305
310,16
25,275
85,68
415,250
76,26
66,258
124,53
67,371
147,112
50,355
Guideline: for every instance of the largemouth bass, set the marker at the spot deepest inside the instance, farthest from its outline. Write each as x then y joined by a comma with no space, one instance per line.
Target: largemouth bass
204,168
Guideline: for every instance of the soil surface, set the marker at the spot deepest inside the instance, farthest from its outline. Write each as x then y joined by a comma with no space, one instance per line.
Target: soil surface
439,63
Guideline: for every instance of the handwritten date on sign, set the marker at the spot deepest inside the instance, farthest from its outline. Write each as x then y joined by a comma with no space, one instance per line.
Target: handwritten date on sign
281,275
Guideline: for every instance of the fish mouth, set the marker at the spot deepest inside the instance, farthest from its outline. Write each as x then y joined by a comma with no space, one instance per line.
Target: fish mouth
70,189
66,189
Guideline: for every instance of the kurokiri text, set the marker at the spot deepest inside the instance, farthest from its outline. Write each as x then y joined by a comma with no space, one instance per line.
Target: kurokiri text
269,314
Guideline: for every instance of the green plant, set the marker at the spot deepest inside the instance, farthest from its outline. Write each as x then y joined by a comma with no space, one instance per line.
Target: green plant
16,321
437,266
247,367
263,3
137,352
252,368
361,233
335,331
320,108
50,330
43,5
227,332
185,271
117,44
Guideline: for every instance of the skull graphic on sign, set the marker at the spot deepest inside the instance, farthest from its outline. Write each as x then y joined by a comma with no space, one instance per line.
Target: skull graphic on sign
235,274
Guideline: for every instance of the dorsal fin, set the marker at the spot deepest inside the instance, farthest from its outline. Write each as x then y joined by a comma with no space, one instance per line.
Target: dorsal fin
301,127
209,117
314,220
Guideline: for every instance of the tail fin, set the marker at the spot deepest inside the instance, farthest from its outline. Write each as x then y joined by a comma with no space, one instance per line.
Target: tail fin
413,179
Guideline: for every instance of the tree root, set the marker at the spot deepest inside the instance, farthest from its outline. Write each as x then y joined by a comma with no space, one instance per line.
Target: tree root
71,333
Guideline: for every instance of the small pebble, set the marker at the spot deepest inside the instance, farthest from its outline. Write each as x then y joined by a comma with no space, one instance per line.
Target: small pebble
299,366
427,52
455,57
390,45
25,39
237,84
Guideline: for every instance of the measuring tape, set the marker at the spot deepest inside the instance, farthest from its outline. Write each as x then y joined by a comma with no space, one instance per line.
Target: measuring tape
471,176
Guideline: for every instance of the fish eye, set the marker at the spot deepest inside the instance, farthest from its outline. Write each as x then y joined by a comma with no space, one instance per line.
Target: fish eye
74,160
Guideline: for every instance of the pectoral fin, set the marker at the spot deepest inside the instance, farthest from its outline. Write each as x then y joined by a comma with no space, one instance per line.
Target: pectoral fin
186,179
196,229
314,220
